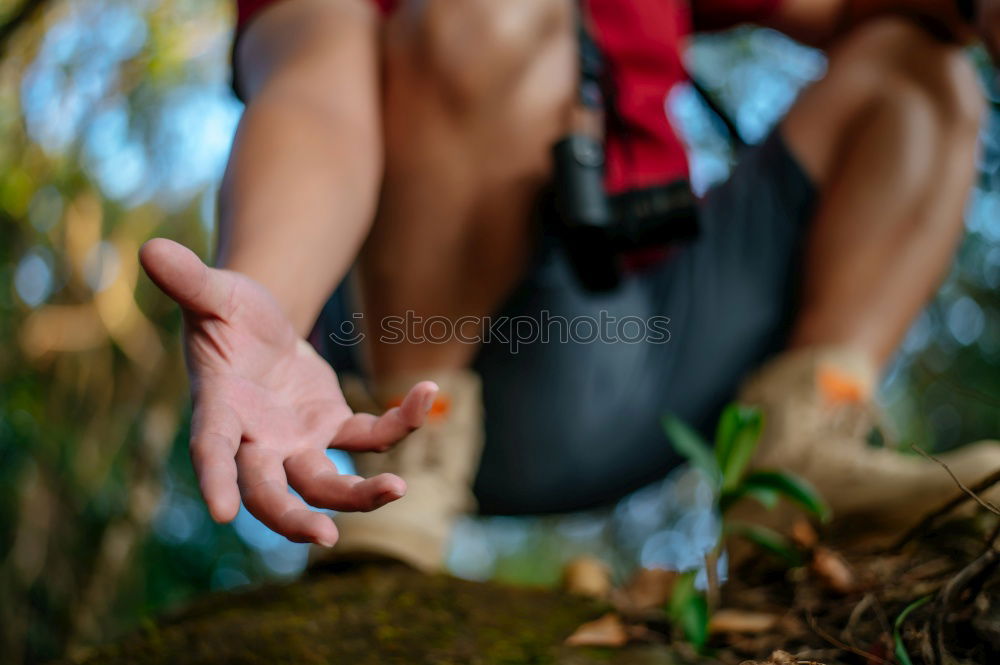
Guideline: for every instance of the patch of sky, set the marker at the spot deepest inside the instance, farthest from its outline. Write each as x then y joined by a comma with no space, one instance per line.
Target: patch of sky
279,554
921,333
192,138
33,279
965,320
52,108
983,214
114,157
75,67
180,519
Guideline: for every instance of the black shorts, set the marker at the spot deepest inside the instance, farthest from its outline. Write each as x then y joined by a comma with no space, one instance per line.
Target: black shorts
573,421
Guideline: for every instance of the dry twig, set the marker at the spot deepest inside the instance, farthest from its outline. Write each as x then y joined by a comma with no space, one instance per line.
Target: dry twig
18,17
712,576
966,493
949,595
973,495
871,657
868,602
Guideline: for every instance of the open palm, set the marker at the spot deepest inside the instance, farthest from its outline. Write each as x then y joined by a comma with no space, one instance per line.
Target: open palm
267,406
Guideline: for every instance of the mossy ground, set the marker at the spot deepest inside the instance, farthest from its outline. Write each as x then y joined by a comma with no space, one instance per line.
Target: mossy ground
376,615
384,614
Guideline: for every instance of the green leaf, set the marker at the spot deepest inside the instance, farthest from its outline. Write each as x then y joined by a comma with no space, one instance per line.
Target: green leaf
694,621
683,587
725,433
768,540
791,487
901,654
690,445
735,441
766,496
688,610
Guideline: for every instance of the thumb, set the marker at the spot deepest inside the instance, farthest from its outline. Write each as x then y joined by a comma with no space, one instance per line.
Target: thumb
184,277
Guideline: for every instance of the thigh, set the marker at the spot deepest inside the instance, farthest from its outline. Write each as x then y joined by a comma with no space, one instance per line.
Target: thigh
475,93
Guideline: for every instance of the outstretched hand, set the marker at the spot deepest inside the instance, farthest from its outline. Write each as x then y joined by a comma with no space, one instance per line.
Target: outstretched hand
267,406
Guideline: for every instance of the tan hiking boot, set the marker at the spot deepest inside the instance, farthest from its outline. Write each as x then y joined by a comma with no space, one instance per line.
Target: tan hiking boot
818,412
438,463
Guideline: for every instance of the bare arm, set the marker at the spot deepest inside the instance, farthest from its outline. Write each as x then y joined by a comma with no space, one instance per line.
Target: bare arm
300,189
298,196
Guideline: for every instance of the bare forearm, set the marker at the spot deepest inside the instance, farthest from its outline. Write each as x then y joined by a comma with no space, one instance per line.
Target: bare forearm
300,189
296,202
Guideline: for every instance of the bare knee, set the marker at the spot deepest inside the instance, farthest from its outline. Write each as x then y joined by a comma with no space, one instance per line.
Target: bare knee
959,93
894,53
892,65
478,50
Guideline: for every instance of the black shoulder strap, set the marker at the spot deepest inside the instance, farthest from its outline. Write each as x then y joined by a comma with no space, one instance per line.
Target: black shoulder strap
591,66
710,102
593,95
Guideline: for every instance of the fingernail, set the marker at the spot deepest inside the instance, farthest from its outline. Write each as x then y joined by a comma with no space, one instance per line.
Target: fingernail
325,541
386,497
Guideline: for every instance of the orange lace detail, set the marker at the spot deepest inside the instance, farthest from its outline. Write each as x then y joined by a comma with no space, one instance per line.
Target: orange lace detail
838,387
439,409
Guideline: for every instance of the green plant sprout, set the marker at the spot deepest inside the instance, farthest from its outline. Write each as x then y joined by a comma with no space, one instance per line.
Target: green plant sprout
726,468
902,655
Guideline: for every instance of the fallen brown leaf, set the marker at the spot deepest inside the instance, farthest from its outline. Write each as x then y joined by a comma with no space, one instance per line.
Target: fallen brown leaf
742,621
833,571
804,535
608,631
777,658
587,576
649,589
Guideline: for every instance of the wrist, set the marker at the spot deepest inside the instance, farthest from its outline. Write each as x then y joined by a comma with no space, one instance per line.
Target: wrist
299,299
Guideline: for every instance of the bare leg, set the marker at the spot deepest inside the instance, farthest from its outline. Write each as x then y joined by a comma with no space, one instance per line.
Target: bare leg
476,93
889,134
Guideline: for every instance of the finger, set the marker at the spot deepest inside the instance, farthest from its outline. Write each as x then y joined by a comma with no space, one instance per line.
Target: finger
265,494
181,275
215,437
363,431
316,478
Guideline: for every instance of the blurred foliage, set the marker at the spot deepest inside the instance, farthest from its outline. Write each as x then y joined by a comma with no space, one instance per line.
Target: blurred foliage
117,117
101,105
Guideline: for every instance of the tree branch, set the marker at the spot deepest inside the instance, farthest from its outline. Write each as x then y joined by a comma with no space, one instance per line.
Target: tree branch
21,15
